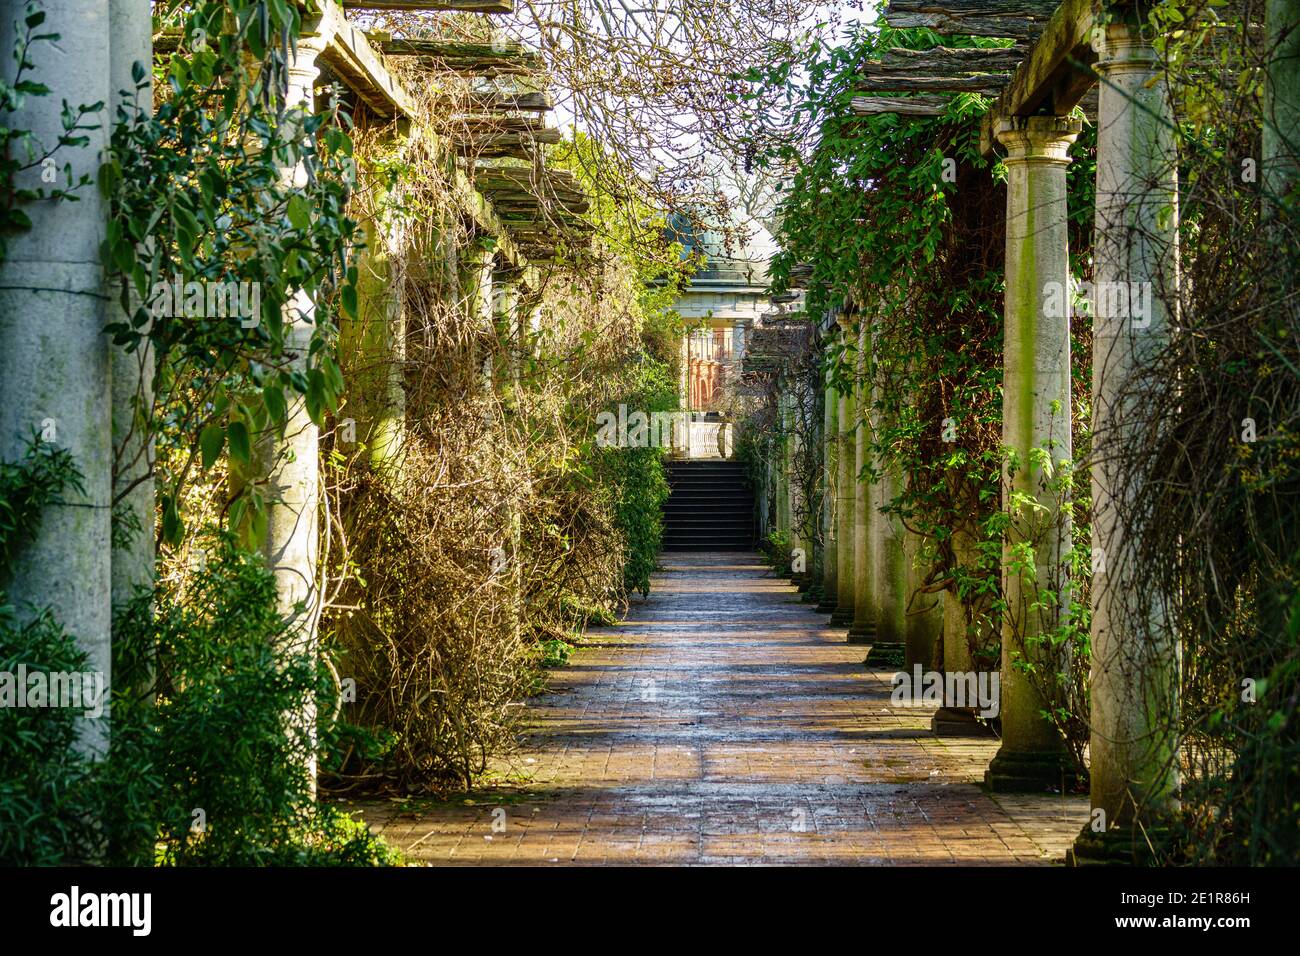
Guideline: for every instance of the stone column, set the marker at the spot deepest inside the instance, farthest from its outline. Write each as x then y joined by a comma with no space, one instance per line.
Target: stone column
863,629
131,42
846,501
1036,438
781,483
374,343
1134,680
478,289
684,379
795,510
54,356
889,574
962,630
888,568
830,481
1280,166
292,464
505,316
923,620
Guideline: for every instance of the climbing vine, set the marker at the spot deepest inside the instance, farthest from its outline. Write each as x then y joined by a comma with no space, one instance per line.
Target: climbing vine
21,154
902,217
229,210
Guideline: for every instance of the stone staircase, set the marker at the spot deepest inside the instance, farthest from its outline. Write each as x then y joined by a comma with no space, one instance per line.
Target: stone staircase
711,507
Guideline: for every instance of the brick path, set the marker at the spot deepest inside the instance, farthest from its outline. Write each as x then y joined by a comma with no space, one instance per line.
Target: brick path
724,723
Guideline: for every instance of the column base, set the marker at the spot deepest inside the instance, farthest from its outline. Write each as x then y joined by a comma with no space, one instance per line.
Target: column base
861,633
841,617
1034,772
959,722
813,595
1124,845
890,653
827,604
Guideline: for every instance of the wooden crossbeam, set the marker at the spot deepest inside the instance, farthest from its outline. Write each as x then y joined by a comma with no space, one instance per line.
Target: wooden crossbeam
521,176
512,145
989,84
1054,76
485,125
962,23
513,200
903,105
551,184
1028,9
496,102
947,61
481,59
511,189
453,6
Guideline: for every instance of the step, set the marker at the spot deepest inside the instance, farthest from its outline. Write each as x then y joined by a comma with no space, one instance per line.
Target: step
707,507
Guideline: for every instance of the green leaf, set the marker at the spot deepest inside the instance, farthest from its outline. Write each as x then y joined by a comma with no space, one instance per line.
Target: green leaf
211,441
173,529
240,447
273,396
299,212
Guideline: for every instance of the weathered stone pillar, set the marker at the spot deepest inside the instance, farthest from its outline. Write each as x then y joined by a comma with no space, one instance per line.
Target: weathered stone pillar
796,510
374,343
885,559
846,500
1134,681
1036,437
964,633
290,464
505,316
889,570
54,356
684,377
131,42
782,481
863,629
923,626
1280,166
477,288
830,480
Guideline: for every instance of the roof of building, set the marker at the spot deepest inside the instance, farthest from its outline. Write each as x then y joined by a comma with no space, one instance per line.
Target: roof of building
741,262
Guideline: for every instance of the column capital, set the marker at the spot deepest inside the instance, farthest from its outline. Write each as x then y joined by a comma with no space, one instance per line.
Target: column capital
1127,49
1038,138
302,68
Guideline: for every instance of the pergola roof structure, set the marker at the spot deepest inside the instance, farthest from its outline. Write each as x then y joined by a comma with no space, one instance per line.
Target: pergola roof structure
1048,63
529,208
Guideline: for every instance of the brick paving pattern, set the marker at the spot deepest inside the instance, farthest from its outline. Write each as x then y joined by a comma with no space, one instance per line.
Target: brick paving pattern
724,723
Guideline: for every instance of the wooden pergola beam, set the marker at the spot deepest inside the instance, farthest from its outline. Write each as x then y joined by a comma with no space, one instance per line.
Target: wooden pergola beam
1028,9
1054,76
496,102
452,6
963,19
483,125
903,105
503,145
989,84
527,176
350,55
950,61
479,59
